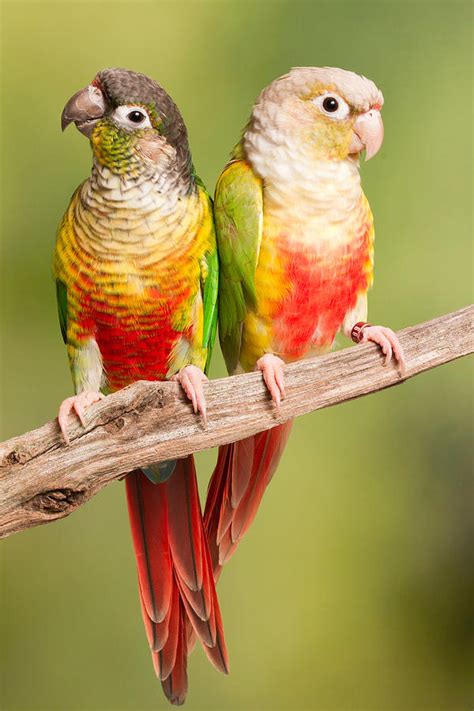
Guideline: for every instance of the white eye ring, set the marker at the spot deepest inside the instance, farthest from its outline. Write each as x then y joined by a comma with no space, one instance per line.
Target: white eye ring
122,113
341,108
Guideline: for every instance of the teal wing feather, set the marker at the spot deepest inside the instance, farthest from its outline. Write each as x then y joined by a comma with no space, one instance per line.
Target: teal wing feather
238,213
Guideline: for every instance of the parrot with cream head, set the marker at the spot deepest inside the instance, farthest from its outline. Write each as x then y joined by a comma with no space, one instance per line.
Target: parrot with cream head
136,274
295,238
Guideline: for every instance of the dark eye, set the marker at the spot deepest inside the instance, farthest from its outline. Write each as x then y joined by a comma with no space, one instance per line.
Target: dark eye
330,104
136,116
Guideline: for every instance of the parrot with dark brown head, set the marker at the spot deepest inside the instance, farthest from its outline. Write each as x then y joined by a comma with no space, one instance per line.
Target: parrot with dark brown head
137,273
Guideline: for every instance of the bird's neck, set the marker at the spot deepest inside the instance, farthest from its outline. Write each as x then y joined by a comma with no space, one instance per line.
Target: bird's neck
138,187
298,183
116,215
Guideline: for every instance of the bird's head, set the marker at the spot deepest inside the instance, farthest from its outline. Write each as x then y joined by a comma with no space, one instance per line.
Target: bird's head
334,113
132,123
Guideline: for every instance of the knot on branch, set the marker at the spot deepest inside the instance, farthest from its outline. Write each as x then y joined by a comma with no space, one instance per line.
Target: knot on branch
57,501
13,457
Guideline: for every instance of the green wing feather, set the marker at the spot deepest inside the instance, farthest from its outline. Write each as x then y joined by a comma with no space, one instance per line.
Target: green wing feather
209,286
238,213
61,297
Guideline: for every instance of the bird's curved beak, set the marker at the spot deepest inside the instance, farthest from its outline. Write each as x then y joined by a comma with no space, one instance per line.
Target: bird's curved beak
367,133
85,108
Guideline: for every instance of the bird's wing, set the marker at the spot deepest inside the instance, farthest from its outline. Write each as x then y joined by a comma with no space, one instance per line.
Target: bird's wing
61,298
238,213
209,280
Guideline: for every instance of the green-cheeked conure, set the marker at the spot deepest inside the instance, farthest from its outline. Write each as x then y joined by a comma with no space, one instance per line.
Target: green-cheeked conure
137,275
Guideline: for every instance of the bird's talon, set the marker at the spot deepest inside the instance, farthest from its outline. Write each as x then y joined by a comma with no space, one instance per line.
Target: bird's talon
389,343
76,404
191,379
271,367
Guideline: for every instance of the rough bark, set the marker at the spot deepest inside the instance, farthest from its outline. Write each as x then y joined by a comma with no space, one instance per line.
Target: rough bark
43,479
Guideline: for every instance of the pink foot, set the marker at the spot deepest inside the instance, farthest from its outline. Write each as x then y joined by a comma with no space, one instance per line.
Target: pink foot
78,405
271,367
388,342
191,379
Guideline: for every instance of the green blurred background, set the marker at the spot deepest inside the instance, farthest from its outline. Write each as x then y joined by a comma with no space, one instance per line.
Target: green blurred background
353,590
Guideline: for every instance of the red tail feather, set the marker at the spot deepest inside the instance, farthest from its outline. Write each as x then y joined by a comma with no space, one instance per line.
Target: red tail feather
217,653
176,583
148,515
175,685
243,471
167,654
157,632
185,537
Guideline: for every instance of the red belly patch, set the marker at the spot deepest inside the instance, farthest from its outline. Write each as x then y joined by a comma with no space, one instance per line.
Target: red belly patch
136,341
323,288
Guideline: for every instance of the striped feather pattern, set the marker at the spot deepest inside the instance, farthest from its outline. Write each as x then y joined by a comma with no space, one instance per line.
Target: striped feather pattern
131,261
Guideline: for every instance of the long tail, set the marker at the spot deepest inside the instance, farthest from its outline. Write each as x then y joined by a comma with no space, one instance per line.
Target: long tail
176,585
243,471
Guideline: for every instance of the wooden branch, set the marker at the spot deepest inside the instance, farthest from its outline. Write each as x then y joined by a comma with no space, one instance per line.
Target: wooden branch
42,479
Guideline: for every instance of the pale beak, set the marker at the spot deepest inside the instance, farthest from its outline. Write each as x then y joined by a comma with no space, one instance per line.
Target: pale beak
367,133
85,108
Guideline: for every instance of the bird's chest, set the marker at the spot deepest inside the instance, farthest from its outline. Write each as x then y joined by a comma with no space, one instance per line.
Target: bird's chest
311,269
137,315
132,280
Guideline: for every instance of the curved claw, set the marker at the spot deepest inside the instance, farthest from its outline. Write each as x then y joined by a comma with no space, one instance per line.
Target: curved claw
388,342
76,404
191,379
271,367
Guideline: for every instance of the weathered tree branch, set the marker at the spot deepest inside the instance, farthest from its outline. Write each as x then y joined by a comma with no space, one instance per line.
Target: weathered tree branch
42,479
